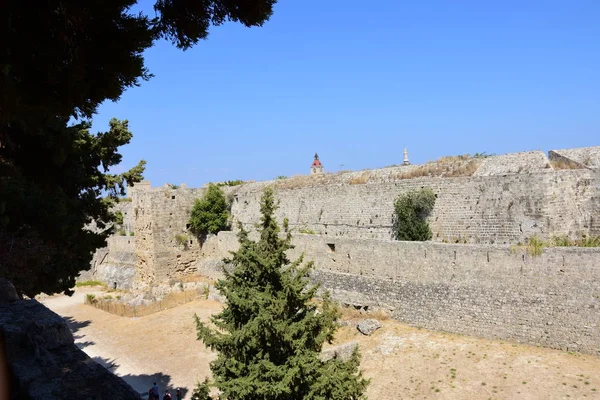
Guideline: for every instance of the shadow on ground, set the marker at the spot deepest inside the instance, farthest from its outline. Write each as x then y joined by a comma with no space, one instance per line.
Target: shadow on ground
142,383
75,325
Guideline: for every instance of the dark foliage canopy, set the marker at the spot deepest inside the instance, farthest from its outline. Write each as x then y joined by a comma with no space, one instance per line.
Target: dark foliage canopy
59,60
270,334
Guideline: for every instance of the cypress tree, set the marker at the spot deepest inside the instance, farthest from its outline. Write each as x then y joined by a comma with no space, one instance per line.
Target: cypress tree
271,331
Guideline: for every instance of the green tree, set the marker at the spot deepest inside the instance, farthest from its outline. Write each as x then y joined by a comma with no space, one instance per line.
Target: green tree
410,215
210,214
60,60
270,334
46,232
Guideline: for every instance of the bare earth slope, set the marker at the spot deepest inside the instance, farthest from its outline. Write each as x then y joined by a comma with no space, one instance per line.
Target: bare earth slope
403,362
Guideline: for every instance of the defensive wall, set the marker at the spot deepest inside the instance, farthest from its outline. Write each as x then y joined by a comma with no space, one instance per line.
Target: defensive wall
465,280
490,291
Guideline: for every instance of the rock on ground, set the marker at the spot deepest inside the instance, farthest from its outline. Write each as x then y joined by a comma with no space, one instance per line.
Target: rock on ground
368,326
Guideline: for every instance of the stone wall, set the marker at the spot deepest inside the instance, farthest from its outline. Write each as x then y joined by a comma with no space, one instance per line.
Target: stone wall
508,200
489,291
588,157
44,362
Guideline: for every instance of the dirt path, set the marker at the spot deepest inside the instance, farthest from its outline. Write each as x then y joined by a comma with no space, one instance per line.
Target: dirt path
403,362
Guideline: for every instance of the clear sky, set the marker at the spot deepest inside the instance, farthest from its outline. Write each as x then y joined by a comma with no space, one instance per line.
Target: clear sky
356,81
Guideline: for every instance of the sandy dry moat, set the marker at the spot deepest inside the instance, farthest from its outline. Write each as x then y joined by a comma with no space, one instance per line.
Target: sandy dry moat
403,362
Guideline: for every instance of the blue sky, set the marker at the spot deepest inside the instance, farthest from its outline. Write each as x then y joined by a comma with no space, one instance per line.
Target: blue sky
357,81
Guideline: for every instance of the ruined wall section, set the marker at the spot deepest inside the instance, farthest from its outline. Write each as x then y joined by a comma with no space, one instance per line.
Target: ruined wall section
588,157
161,215
487,291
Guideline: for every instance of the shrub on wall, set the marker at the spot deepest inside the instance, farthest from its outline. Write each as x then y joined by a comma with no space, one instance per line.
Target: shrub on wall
210,213
410,215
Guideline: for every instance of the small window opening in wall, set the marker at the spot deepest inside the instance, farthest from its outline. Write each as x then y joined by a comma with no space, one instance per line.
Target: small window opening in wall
455,254
191,242
488,256
172,197
187,226
331,247
523,257
425,253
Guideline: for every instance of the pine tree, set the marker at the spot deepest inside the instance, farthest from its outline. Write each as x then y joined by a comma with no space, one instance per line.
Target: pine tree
270,334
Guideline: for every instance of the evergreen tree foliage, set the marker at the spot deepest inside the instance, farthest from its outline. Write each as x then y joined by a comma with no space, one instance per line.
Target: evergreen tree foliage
410,217
210,213
270,334
61,59
45,212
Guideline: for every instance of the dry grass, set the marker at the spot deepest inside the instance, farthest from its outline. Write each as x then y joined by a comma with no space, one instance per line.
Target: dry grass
447,167
349,313
563,163
113,306
360,180
454,166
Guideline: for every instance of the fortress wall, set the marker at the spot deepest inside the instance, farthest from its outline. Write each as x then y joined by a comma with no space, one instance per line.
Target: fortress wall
488,291
484,209
514,163
573,203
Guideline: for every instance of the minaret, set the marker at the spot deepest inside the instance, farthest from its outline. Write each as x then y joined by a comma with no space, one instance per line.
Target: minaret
316,167
406,162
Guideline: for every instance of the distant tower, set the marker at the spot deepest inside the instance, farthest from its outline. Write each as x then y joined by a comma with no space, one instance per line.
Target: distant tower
316,167
406,162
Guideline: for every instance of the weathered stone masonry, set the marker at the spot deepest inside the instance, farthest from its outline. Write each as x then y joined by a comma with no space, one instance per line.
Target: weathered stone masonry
488,291
476,287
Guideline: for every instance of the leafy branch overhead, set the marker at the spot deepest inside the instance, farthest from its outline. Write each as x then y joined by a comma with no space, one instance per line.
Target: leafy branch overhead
44,212
269,336
61,59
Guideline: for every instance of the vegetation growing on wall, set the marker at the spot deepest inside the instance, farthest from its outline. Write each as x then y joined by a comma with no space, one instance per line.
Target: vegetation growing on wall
210,214
181,239
118,218
236,182
410,215
270,334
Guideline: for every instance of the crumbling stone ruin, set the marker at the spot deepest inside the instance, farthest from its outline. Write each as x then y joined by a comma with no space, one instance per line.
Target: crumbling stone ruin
471,278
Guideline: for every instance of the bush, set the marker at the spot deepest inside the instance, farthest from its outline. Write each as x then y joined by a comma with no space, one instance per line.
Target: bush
118,218
131,233
90,299
122,232
237,182
210,213
410,215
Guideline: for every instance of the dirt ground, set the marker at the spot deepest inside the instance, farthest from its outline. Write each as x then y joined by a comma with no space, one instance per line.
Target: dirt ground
402,362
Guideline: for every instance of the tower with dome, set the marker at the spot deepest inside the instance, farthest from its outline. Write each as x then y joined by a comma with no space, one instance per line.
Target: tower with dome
316,168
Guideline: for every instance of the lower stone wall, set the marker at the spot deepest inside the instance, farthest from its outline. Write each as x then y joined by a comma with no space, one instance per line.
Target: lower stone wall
114,264
489,291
